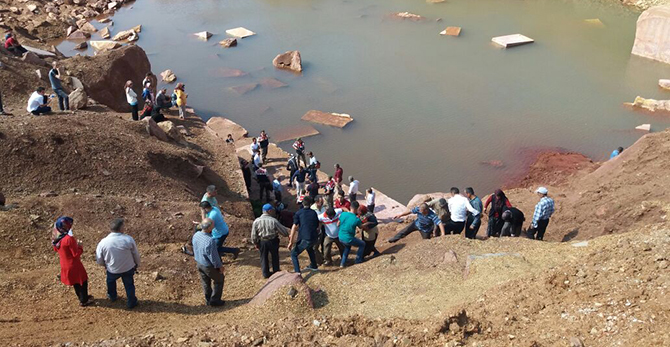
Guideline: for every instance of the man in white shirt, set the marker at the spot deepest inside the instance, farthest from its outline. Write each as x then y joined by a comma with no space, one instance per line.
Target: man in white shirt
459,206
117,252
370,200
37,104
330,220
353,188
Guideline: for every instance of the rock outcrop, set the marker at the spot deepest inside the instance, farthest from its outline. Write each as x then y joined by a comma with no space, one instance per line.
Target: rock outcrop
78,99
290,60
651,105
652,35
105,74
292,283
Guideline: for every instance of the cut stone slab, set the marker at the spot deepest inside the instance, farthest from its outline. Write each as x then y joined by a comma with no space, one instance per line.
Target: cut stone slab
273,83
512,40
652,34
104,45
291,133
665,84
104,33
224,126
594,22
451,31
244,88
78,35
643,127
227,72
168,76
385,207
39,52
229,42
240,32
203,35
332,119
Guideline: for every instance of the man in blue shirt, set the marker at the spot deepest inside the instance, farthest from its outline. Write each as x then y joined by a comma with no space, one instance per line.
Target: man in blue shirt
616,152
54,78
208,263
220,231
543,211
473,222
426,220
304,235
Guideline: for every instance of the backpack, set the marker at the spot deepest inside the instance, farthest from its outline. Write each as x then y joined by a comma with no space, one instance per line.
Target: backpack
317,165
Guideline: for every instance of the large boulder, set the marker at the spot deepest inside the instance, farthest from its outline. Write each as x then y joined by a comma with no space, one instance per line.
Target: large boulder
78,99
283,286
105,74
172,131
290,60
154,130
224,126
652,36
32,58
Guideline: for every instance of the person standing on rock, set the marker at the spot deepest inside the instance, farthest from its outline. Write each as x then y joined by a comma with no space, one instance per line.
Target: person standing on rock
265,233
72,272
304,234
292,166
57,86
329,220
118,253
369,230
459,206
441,209
338,175
131,97
313,167
220,231
499,203
299,147
37,104
543,211
210,196
208,263
264,142
348,223
181,99
473,222
153,82
353,188
425,222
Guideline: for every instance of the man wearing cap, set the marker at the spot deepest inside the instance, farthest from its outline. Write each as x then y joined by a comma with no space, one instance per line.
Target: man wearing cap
441,208
208,262
265,236
425,222
543,211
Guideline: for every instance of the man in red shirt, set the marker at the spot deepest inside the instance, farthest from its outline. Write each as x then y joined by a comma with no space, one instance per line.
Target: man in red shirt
338,175
13,45
299,147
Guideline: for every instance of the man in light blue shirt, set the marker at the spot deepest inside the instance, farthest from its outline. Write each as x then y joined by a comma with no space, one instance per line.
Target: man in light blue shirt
208,263
118,254
220,231
616,152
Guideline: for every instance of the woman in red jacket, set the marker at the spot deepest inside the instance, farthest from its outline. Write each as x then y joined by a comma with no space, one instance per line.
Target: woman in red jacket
72,272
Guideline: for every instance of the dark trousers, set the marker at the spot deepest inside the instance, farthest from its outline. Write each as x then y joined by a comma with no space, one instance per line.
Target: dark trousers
17,50
128,283
300,155
352,197
41,110
358,243
207,276
290,178
312,174
301,246
221,249
471,233
134,110
82,292
328,248
63,99
495,226
277,195
454,227
370,247
266,188
269,248
371,208
538,232
408,230
264,153
2,109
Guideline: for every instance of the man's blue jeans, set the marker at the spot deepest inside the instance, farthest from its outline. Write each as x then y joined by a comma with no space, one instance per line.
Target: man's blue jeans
221,249
347,248
128,283
303,245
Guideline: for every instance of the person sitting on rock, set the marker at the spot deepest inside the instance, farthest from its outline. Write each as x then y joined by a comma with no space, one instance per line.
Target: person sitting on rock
37,104
616,152
147,110
13,45
156,114
230,140
265,233
425,222
163,101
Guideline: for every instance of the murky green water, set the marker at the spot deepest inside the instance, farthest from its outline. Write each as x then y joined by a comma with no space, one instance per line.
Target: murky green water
428,109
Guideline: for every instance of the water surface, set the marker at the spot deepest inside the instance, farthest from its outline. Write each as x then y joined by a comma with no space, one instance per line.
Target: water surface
428,109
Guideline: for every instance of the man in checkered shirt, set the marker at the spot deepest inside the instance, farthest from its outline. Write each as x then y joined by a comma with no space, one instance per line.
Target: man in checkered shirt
543,211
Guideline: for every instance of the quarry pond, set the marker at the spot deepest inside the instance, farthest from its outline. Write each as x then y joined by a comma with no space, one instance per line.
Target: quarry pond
430,111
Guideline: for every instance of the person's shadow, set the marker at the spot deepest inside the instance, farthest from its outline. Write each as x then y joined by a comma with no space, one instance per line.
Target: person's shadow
148,306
